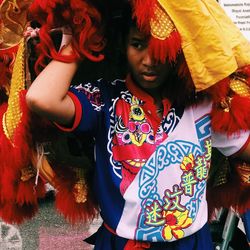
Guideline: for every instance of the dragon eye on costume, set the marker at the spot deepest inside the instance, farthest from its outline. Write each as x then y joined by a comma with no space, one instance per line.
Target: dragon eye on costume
137,113
126,138
150,139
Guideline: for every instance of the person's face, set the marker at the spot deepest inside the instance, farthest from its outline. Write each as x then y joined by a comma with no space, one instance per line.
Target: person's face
148,74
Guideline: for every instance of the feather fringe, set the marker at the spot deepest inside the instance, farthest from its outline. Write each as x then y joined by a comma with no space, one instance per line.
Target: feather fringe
15,214
234,118
168,49
72,211
7,59
17,195
143,11
231,194
65,202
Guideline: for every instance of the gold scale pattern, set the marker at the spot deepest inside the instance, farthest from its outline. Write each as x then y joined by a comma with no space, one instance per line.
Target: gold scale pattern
161,25
240,87
80,189
13,114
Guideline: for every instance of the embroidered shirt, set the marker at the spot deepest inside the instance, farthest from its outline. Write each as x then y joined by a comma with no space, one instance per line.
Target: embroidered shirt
151,173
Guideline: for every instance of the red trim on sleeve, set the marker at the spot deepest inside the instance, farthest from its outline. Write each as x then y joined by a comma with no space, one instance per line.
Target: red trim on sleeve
78,114
242,148
109,229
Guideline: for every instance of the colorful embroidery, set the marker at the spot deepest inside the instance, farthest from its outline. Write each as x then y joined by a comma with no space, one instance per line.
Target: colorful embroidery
93,95
175,222
173,199
171,214
132,135
138,127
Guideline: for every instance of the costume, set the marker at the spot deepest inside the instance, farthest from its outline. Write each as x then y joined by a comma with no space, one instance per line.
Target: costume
24,137
151,174
227,83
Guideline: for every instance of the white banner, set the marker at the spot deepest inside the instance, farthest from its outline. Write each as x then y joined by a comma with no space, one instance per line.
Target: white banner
239,12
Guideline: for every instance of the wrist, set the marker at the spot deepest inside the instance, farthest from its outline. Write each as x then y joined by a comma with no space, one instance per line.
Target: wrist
66,50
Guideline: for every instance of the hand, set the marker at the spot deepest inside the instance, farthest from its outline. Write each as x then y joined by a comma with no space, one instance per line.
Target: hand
31,33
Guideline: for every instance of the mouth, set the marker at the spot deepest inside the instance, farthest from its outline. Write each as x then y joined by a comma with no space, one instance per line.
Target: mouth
149,76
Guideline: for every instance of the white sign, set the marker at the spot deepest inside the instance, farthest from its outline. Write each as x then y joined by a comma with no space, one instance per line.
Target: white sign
239,12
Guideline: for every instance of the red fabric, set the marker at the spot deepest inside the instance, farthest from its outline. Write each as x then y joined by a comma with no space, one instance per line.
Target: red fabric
131,244
136,245
78,114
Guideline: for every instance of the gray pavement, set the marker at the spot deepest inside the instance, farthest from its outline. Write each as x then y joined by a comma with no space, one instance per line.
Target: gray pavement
46,231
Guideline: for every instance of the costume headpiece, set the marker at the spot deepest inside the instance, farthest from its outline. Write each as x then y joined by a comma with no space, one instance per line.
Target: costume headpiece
165,41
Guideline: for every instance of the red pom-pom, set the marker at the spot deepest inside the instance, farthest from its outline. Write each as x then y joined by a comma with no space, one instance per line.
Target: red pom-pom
230,111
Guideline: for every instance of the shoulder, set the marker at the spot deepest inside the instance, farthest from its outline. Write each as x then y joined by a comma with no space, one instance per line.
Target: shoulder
202,107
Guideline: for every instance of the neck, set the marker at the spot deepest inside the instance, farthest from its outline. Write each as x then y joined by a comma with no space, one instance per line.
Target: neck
156,94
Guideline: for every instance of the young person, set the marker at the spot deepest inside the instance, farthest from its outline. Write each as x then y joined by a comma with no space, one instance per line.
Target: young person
153,146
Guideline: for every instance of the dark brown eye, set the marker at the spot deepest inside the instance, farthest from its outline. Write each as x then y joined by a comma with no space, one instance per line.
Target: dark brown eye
137,45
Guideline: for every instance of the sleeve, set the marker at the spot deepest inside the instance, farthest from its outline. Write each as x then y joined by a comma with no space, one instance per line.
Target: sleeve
231,145
88,107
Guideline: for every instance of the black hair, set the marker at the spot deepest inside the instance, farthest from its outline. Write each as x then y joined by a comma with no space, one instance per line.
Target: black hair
117,31
117,19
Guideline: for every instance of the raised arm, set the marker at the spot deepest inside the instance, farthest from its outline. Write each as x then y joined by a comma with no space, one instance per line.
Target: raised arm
47,95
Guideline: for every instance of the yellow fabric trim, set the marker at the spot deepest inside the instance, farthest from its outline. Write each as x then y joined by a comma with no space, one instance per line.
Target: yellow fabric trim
213,46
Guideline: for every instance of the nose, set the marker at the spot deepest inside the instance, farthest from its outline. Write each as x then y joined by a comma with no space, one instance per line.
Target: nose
147,59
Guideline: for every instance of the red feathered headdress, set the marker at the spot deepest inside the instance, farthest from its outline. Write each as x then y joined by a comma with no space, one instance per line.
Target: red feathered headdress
165,40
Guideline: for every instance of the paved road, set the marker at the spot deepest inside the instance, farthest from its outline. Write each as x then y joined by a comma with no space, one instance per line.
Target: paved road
47,231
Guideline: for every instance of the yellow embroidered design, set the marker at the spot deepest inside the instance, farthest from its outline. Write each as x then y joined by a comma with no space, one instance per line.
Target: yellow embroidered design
175,222
188,162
